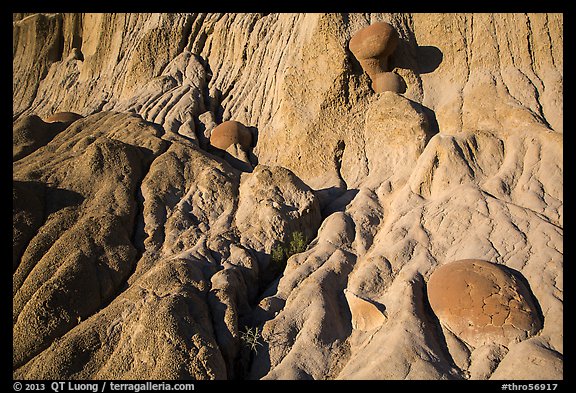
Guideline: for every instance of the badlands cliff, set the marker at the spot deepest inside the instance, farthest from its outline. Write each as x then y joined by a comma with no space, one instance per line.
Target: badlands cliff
160,161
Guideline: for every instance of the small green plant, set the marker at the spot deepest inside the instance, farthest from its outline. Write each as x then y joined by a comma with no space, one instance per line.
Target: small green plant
297,244
251,338
280,253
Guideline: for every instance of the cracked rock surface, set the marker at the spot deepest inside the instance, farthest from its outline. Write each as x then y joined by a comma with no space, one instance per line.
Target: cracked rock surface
482,303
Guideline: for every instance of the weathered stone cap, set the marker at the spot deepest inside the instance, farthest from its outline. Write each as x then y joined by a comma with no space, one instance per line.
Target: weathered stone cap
379,39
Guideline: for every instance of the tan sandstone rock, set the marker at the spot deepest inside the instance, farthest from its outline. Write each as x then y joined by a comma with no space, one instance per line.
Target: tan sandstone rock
365,315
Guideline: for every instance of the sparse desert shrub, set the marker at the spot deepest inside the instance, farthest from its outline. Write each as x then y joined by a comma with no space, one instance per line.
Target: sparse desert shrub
297,244
251,338
278,255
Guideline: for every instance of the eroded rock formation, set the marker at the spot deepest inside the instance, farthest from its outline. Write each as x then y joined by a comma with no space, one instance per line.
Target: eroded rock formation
141,252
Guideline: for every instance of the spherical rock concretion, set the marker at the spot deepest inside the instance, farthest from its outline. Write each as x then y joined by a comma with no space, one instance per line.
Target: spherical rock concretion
229,133
63,117
388,81
481,302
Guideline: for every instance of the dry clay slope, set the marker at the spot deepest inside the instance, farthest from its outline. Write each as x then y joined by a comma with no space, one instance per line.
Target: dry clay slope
145,255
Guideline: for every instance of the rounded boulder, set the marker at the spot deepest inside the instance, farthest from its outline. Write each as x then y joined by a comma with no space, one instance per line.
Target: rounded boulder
483,302
63,117
388,81
231,132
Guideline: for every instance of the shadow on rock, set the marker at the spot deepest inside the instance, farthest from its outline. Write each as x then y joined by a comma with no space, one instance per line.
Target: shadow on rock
60,198
337,199
428,58
30,133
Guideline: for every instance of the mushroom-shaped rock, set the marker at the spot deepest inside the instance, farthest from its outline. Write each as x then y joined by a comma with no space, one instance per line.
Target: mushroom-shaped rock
230,132
373,45
482,302
63,117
